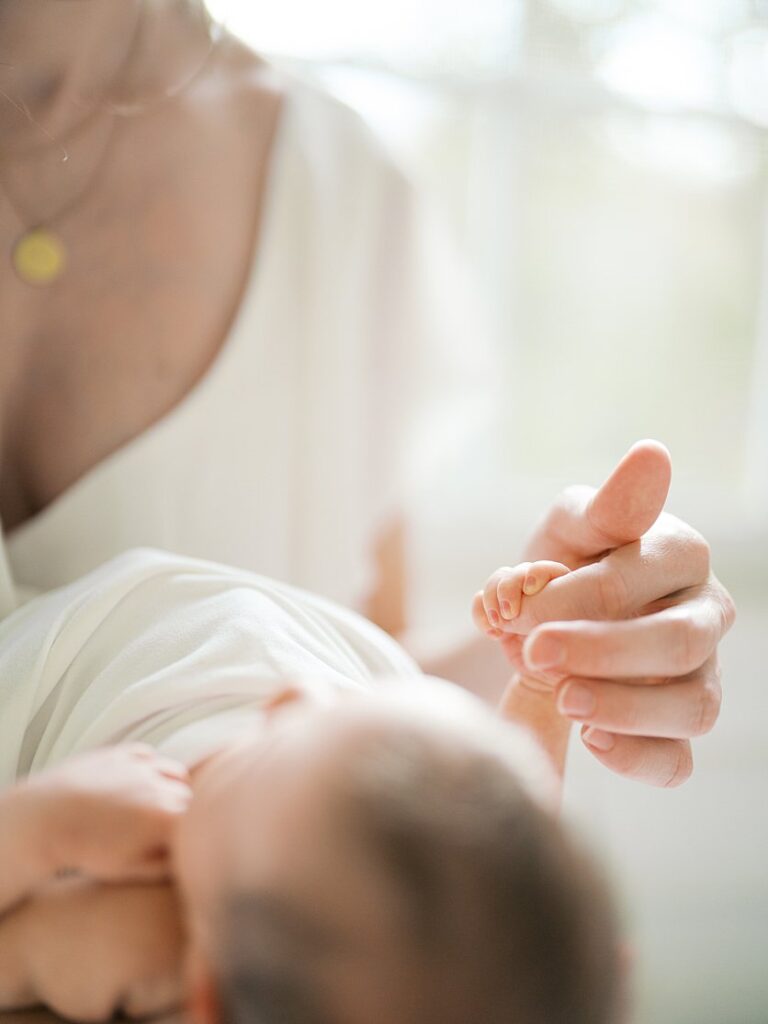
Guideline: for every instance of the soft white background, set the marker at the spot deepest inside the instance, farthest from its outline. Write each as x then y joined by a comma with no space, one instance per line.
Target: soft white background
604,163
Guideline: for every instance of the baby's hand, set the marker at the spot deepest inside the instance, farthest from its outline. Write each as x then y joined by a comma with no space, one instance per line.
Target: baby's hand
528,700
498,604
110,814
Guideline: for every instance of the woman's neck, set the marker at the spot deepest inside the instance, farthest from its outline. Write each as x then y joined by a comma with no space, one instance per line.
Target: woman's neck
58,59
61,58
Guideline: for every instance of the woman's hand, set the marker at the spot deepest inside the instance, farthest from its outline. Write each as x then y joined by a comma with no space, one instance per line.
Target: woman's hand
109,814
630,638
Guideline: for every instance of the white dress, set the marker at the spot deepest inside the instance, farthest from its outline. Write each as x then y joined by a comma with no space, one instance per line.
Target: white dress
295,448
175,652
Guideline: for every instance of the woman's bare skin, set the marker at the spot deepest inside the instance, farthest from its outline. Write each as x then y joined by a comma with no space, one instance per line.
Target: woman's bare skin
160,252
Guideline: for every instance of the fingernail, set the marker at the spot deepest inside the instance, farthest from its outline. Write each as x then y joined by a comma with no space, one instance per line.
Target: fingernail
530,585
506,609
493,615
603,741
544,652
577,700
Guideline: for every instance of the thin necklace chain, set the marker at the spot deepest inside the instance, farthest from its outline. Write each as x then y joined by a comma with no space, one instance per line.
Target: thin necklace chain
215,31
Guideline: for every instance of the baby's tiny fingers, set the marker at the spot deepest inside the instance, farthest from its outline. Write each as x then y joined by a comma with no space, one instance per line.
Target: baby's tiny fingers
491,595
509,590
540,574
480,618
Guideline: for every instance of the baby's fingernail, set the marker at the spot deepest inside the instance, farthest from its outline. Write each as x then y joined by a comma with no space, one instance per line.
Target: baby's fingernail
530,585
544,652
506,609
602,741
493,615
495,633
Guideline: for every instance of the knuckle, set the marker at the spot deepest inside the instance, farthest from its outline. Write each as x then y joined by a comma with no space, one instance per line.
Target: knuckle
707,708
728,610
506,583
682,766
631,715
624,759
698,551
612,595
689,644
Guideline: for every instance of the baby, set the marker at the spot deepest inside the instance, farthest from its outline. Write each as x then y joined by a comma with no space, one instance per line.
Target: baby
351,842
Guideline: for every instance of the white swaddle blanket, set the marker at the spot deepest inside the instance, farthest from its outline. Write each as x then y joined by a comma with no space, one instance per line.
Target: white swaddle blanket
171,651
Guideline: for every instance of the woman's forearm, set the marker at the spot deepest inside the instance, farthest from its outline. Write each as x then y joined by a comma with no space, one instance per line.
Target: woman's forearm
481,667
477,664
531,706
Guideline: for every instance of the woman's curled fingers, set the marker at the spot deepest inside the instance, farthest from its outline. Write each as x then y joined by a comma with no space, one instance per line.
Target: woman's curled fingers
678,708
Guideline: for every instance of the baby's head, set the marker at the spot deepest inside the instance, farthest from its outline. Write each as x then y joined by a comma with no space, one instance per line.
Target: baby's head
390,858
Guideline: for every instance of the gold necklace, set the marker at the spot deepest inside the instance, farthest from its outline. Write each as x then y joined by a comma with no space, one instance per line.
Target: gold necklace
39,256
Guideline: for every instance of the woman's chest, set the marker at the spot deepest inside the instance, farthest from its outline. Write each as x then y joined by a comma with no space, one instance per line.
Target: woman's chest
157,267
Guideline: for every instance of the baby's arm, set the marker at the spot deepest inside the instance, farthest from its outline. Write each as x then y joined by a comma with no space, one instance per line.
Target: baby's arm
87,951
107,816
23,861
528,700
500,601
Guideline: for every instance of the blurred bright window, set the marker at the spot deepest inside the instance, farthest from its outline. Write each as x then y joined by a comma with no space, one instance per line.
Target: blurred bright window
605,163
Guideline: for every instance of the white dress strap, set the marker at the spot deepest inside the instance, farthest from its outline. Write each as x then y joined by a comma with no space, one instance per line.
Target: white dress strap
8,597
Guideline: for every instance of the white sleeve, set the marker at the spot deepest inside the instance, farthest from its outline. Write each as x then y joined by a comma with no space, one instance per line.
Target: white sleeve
430,372
390,357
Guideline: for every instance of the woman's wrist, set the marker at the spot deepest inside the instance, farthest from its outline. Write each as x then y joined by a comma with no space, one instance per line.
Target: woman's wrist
531,704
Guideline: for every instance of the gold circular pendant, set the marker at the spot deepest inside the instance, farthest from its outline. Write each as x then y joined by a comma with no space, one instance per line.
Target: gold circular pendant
39,257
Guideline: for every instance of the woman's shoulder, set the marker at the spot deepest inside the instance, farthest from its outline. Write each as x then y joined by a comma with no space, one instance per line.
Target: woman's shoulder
334,139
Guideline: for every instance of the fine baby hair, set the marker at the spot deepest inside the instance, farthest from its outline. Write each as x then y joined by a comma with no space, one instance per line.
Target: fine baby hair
501,916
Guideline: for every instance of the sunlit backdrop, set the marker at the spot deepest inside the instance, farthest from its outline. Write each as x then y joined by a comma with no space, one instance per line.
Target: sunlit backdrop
604,164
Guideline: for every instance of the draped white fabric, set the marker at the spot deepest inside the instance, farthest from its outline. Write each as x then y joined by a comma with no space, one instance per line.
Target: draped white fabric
179,653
